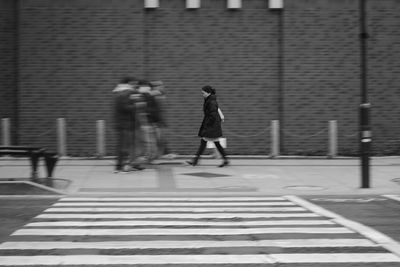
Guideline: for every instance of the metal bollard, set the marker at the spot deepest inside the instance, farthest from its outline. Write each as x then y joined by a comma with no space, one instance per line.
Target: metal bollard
275,138
101,140
5,126
333,143
61,137
151,4
192,4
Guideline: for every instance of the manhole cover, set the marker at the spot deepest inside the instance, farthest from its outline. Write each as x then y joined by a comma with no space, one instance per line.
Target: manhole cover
206,174
396,180
305,187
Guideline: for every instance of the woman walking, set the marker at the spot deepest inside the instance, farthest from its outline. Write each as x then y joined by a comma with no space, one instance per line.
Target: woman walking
210,130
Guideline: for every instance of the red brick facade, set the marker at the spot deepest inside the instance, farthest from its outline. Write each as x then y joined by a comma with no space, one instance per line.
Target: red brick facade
299,65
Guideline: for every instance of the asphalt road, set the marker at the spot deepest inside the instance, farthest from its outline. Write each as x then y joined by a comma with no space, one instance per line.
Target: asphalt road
378,212
172,236
15,213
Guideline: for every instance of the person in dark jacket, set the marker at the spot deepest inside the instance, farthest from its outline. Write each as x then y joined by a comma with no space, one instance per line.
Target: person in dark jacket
160,125
147,120
124,124
210,129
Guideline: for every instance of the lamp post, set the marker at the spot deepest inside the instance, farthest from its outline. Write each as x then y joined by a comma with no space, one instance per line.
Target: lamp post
365,128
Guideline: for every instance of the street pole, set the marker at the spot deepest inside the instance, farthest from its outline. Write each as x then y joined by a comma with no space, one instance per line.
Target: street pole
365,129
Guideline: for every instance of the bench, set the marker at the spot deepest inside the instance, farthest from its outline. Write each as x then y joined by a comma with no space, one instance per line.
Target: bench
34,154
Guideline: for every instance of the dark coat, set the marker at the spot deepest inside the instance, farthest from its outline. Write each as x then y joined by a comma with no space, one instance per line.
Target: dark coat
124,111
211,125
152,108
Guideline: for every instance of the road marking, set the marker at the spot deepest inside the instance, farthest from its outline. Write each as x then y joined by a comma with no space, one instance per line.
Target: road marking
199,259
172,209
177,223
161,224
394,197
189,231
355,200
335,257
191,244
180,199
382,239
163,204
173,216
133,259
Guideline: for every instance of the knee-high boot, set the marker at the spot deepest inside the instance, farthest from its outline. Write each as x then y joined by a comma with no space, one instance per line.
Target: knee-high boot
200,151
223,154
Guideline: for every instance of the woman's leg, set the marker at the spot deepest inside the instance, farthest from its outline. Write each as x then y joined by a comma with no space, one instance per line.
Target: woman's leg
223,154
122,149
200,151
119,151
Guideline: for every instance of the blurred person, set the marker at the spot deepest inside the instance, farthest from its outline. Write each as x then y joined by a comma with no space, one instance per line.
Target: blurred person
147,117
210,129
158,93
140,105
124,123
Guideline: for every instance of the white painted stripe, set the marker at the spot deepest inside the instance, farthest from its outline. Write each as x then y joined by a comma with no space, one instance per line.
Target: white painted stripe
172,204
188,231
394,197
190,244
335,257
376,236
176,223
182,199
198,259
162,209
312,207
111,260
173,216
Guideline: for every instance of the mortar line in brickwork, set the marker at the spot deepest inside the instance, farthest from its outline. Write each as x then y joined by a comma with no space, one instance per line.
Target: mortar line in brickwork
247,136
281,77
350,135
16,127
305,137
145,44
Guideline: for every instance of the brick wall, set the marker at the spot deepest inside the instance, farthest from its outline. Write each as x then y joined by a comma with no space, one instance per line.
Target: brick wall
384,75
72,54
321,74
8,63
234,51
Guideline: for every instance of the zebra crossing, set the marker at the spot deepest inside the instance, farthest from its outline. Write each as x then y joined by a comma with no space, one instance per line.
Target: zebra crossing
188,231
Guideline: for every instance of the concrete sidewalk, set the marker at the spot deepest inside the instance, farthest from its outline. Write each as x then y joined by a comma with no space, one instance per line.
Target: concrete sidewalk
251,176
